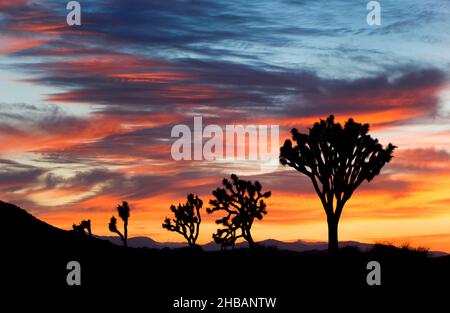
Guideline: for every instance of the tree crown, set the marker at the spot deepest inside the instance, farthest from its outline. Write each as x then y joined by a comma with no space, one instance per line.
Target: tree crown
337,157
124,211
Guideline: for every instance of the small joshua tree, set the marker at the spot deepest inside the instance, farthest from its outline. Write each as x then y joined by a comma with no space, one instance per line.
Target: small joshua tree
187,219
83,227
242,201
124,214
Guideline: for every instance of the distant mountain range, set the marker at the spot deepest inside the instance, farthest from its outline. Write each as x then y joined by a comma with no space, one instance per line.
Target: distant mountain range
297,246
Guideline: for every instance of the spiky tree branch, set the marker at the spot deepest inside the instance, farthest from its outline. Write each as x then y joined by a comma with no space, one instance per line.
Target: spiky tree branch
124,214
242,201
83,227
187,219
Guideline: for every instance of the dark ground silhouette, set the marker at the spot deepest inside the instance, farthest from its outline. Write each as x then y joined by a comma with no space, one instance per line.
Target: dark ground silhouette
36,255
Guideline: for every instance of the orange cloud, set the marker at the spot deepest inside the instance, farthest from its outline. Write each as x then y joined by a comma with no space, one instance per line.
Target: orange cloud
11,44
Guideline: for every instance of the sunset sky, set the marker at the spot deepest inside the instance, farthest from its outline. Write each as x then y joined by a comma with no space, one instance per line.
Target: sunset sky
86,111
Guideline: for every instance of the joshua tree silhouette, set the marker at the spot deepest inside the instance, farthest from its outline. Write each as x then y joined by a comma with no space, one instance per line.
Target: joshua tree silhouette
243,202
85,225
187,219
337,160
124,214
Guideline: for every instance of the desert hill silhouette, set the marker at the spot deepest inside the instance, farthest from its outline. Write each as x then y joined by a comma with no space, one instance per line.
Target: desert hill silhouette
26,231
36,253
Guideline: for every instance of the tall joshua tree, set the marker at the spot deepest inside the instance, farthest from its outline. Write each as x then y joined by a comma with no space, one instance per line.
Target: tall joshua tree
242,201
187,219
124,214
337,160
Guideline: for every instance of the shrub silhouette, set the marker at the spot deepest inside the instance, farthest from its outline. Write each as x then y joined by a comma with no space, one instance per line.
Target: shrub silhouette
124,214
83,227
337,160
242,202
187,219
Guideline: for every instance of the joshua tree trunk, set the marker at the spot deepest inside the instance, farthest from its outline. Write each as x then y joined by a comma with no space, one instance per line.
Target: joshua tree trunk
332,234
248,236
125,235
190,241
121,237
